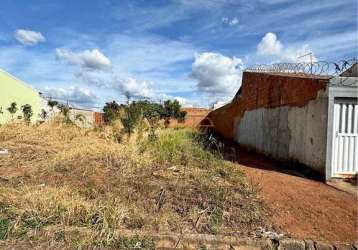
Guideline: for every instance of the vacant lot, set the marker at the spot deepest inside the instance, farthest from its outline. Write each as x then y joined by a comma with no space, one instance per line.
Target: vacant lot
68,186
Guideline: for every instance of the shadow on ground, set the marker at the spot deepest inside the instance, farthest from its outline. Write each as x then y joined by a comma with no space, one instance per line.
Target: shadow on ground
233,152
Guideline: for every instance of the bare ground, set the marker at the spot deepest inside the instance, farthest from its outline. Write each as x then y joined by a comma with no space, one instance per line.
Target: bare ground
302,207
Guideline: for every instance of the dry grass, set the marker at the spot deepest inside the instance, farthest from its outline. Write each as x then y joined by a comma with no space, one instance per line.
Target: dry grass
58,177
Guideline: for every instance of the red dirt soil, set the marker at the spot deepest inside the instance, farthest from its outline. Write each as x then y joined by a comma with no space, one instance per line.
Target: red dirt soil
302,207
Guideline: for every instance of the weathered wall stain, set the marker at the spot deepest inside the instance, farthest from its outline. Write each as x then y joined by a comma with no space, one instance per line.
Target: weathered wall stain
264,90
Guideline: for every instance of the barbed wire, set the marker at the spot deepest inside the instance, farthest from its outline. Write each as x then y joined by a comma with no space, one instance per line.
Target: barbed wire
320,68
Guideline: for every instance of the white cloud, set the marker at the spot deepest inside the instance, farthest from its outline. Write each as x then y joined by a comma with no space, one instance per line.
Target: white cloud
88,59
29,37
234,21
72,94
181,100
217,75
134,87
231,22
121,84
270,46
144,66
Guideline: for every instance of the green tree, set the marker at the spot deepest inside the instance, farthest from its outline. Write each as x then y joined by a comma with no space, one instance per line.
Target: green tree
65,111
153,113
172,109
52,104
12,109
181,116
130,118
111,111
1,112
27,112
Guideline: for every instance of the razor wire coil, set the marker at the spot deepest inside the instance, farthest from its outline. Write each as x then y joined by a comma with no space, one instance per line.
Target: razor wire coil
321,68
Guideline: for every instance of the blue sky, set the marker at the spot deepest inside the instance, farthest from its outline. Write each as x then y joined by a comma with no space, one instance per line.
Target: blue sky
90,52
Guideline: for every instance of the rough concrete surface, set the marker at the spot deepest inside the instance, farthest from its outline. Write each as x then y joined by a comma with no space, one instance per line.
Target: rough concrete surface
288,133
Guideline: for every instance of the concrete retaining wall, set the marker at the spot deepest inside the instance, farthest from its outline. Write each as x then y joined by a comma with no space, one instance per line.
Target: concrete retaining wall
281,115
288,133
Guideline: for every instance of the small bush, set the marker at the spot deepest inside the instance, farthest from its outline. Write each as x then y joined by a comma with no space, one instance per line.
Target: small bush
179,147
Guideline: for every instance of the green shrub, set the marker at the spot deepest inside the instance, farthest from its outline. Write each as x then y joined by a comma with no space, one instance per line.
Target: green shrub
180,147
111,111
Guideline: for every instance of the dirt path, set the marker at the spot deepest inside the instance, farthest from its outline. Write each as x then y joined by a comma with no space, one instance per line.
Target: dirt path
302,207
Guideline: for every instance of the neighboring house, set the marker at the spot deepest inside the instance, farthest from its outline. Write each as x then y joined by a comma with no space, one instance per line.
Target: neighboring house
303,118
15,90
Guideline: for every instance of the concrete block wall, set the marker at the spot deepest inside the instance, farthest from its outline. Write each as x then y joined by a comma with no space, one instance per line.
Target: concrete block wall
192,119
275,90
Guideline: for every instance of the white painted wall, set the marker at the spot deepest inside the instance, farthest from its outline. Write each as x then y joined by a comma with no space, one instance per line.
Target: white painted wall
87,115
288,133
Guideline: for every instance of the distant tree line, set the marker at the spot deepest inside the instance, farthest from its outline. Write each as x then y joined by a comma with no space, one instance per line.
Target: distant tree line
129,114
170,109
